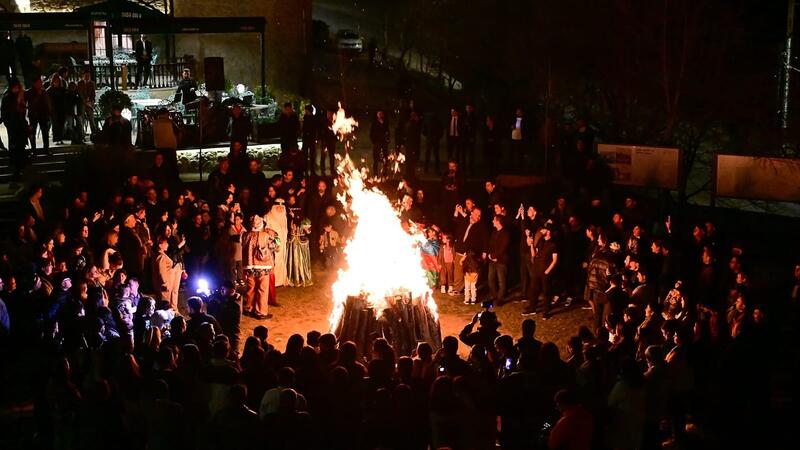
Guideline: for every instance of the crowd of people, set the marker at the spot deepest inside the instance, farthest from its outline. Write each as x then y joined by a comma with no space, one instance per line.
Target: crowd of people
48,104
104,290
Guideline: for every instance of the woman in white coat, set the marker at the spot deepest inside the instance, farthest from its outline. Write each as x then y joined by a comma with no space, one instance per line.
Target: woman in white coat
276,220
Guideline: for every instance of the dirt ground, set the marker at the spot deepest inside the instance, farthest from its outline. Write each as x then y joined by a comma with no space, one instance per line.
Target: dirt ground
306,309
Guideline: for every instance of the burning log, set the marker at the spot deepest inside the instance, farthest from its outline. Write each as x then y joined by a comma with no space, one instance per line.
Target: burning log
404,322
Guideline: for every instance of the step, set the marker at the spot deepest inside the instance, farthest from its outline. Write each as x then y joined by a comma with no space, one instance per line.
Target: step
58,154
6,177
39,167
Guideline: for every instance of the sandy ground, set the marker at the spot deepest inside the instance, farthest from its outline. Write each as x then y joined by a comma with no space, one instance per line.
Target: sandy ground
306,309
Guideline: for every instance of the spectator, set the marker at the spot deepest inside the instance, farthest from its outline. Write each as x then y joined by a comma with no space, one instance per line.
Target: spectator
226,307
87,91
240,127
40,110
498,260
289,126
379,135
574,429
197,317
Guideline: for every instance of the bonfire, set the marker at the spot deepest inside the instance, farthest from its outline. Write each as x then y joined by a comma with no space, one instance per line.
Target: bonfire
383,288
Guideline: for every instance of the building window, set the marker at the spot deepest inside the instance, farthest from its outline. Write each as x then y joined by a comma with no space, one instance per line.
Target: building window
99,39
124,42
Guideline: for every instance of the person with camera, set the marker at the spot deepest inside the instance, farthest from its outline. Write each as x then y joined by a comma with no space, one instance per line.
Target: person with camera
486,332
529,222
447,361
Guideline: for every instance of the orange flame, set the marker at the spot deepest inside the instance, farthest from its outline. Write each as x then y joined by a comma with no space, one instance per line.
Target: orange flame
342,125
383,260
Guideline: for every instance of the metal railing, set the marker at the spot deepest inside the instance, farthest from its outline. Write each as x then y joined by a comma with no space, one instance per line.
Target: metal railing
164,75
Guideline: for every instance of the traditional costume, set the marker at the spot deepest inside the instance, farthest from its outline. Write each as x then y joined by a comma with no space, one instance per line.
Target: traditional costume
299,255
257,258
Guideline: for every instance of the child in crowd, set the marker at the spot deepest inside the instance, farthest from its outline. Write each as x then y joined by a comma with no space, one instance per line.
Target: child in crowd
329,244
470,268
430,256
447,264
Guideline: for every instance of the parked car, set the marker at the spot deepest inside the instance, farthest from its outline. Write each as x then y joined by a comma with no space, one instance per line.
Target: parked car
349,40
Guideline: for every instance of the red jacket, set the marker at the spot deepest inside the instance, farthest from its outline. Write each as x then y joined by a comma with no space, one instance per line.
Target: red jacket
573,431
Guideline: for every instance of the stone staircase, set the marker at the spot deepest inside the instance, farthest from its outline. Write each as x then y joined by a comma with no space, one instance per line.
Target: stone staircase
49,168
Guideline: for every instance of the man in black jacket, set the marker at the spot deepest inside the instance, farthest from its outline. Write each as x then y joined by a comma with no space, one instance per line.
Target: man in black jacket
315,205
39,112
187,87
288,125
327,143
241,127
498,260
379,135
470,236
455,135
144,56
544,263
309,135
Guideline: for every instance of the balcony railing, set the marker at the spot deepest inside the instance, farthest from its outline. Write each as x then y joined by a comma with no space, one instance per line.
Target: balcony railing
165,75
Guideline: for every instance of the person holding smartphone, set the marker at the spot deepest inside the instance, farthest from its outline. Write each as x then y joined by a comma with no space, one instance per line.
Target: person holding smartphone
545,259
486,332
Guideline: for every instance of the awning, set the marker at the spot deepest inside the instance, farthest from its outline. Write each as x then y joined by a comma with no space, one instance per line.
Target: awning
188,25
118,9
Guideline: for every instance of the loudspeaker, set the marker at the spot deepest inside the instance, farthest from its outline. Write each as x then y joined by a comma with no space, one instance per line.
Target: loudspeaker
214,69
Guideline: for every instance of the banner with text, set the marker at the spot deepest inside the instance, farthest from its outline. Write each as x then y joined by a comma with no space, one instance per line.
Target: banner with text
635,165
758,178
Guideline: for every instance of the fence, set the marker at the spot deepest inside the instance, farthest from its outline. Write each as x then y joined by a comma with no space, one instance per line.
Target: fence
165,75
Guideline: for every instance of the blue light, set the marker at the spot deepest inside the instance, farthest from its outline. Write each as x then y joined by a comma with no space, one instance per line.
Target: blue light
203,286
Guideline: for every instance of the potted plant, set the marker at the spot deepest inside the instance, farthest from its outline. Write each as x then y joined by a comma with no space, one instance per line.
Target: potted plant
112,98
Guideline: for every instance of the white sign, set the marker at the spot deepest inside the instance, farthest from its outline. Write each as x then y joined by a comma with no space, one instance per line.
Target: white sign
758,178
634,165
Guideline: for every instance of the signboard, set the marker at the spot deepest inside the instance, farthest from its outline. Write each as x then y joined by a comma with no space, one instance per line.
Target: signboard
757,178
185,25
42,22
634,165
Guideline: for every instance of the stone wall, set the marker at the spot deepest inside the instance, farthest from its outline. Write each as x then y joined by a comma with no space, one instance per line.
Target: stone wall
288,61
